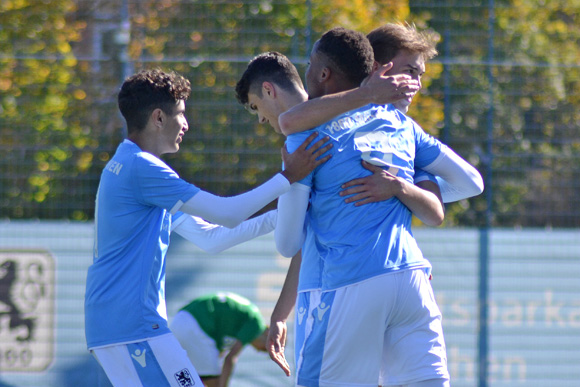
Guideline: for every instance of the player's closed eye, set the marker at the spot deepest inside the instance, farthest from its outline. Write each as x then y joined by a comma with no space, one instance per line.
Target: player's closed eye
253,109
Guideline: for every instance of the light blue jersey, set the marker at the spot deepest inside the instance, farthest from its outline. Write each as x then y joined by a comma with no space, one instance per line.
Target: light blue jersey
125,295
311,265
357,243
421,175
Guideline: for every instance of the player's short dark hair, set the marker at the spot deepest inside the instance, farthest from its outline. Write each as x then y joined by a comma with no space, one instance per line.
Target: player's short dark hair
349,51
267,67
148,90
388,40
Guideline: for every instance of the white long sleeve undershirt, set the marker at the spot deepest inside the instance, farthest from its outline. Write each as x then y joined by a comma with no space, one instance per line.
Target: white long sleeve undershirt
214,238
231,211
292,208
457,178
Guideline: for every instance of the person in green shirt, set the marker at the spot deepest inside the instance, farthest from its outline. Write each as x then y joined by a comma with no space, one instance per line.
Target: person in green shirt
217,324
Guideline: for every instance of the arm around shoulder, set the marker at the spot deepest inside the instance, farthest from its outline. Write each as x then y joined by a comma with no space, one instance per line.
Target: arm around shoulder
317,111
378,88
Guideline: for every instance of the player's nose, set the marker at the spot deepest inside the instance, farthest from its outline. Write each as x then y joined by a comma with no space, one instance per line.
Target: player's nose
419,81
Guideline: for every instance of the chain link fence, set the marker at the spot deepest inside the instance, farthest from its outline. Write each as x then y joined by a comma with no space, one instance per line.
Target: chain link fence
503,92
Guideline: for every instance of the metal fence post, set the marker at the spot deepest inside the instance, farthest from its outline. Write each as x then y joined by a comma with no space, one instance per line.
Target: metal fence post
484,257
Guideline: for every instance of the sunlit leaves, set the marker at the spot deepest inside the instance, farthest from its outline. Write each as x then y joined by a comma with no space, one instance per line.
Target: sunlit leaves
59,120
36,72
515,75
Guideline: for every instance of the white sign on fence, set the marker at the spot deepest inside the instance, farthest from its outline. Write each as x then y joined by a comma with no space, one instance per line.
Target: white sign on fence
26,310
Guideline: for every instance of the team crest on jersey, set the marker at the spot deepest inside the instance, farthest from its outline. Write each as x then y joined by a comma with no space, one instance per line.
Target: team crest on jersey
184,378
26,310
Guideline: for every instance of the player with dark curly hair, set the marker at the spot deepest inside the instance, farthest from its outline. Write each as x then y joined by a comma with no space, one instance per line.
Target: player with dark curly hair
341,59
138,199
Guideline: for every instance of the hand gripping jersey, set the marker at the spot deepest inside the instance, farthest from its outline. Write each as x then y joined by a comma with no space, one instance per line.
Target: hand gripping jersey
356,243
125,294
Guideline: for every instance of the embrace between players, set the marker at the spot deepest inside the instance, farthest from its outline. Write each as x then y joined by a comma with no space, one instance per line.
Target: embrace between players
356,169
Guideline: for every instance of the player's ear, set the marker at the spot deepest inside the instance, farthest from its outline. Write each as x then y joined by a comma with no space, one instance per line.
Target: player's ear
325,74
157,116
268,90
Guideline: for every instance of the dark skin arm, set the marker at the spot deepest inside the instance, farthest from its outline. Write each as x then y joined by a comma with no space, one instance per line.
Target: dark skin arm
378,88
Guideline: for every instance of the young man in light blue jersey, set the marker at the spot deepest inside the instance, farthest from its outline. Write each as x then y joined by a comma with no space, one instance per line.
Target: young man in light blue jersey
366,251
353,275
125,313
398,49
283,89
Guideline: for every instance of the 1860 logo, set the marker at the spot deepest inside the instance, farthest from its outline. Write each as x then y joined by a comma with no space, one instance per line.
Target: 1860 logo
26,310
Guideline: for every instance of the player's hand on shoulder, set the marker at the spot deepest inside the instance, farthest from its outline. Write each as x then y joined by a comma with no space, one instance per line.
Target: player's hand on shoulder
306,158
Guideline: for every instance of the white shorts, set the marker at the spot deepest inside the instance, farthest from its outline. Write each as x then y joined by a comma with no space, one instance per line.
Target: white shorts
201,349
159,361
386,327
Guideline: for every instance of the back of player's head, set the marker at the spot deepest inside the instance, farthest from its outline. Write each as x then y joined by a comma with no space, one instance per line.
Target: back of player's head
388,40
267,67
348,51
148,90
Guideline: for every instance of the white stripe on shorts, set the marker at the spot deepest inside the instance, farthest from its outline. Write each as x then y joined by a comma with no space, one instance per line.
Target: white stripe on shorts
155,362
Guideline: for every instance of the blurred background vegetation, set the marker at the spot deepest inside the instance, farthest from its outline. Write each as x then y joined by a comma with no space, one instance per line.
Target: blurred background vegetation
504,93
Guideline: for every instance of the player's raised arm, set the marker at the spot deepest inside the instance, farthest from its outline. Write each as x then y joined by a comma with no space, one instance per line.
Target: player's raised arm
378,88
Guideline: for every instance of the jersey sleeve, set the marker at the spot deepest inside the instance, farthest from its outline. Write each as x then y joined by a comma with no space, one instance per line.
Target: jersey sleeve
158,185
231,211
214,238
421,175
427,148
177,219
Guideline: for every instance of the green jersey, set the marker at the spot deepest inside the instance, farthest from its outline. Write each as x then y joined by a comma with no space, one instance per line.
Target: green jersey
226,316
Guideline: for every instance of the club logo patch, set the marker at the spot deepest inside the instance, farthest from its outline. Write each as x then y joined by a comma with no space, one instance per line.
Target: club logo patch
184,378
26,310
